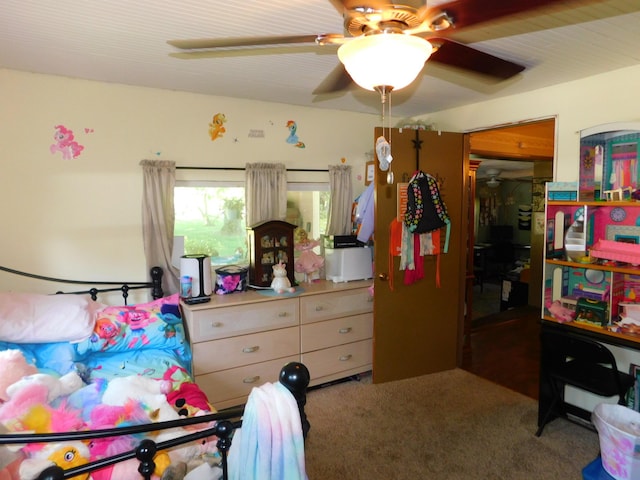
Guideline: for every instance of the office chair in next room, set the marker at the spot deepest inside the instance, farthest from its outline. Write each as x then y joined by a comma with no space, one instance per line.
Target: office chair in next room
571,359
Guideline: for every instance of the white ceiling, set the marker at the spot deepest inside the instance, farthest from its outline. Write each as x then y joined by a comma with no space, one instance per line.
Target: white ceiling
124,41
508,169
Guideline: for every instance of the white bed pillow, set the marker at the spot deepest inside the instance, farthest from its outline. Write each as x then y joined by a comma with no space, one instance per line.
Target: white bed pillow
38,318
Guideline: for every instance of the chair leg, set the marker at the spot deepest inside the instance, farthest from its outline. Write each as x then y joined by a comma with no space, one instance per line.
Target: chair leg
547,415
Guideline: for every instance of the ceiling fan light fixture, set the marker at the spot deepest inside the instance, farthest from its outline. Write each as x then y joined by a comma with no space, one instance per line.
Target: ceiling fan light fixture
386,59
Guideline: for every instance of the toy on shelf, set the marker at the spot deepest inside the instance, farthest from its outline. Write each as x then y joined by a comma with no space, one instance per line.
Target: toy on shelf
280,282
620,193
618,251
629,318
559,312
308,262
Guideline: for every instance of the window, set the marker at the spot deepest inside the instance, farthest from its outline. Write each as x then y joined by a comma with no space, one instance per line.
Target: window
210,216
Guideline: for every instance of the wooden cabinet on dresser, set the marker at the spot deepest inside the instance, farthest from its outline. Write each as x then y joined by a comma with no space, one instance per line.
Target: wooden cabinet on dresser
241,340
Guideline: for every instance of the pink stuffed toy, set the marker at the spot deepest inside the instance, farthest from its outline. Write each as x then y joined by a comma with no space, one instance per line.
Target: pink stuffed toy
560,313
13,366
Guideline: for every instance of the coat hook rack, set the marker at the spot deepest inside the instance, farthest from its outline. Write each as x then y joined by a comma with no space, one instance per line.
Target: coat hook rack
417,145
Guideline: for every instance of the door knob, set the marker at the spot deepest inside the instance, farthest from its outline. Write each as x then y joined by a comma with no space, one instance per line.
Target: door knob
383,276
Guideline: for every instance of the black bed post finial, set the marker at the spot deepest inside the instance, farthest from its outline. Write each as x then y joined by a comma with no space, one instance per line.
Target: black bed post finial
223,430
145,453
53,472
156,282
295,376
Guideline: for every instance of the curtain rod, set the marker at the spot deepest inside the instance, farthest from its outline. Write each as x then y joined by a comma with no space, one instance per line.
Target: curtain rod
242,169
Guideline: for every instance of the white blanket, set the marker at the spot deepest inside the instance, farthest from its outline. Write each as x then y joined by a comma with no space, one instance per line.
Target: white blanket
269,446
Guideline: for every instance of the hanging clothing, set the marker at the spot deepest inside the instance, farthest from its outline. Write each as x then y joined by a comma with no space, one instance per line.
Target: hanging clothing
426,210
426,214
365,214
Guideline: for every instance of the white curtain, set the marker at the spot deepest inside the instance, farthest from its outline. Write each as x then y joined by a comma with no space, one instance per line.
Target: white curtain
158,219
339,222
265,192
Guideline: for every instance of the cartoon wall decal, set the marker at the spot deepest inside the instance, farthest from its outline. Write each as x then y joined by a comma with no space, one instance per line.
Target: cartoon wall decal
216,126
293,137
65,143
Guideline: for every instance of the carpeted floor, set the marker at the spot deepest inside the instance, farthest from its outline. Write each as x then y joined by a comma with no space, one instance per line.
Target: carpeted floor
445,426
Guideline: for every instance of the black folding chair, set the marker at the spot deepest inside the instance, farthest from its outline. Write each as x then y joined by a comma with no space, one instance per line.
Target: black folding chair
582,363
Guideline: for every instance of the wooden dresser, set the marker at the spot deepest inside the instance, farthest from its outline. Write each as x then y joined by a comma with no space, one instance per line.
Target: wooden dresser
241,340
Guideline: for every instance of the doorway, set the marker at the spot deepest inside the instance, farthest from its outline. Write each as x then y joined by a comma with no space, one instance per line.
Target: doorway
515,162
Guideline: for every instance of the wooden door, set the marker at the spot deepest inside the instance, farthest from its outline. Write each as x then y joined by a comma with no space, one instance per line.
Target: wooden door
418,327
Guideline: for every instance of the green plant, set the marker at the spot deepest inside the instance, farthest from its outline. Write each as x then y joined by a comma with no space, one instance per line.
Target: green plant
233,205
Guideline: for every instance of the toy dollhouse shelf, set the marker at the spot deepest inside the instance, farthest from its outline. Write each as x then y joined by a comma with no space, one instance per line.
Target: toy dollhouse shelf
629,269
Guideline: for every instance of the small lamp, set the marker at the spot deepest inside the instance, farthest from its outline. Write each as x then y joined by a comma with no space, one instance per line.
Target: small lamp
384,60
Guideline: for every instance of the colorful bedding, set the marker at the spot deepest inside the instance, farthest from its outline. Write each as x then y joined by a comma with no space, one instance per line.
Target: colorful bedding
132,367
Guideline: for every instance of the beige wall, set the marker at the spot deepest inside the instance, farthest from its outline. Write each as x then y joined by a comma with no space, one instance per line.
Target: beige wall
81,218
610,97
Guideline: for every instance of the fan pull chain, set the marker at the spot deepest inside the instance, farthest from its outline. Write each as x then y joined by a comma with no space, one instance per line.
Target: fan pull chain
390,172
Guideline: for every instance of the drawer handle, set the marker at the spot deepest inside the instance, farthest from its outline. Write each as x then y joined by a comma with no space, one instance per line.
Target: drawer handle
344,358
216,324
283,314
370,299
319,308
255,348
345,330
251,379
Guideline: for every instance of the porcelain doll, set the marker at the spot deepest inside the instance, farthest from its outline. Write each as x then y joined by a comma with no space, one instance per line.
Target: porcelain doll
308,262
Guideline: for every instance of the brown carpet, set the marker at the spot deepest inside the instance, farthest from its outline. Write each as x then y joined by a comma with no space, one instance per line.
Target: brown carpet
449,425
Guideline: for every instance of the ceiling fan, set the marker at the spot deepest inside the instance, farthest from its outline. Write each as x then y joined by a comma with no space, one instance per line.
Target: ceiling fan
372,20
494,180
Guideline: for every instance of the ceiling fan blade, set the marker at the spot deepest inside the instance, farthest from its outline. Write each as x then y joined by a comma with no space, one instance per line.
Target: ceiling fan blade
201,43
465,13
254,52
344,6
336,81
462,56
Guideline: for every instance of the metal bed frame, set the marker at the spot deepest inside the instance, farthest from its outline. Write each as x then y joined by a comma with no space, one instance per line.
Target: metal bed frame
294,376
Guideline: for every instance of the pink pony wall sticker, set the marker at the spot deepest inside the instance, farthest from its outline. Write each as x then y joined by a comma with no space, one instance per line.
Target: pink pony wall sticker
65,143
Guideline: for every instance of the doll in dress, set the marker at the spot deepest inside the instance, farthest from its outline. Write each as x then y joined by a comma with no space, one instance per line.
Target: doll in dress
308,262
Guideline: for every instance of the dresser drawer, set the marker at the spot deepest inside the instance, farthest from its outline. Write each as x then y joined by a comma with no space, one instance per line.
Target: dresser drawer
314,336
244,350
332,361
335,304
225,322
231,387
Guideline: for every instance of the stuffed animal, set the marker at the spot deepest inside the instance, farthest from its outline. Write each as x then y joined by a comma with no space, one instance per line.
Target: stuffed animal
66,455
56,386
145,390
560,313
10,459
280,282
13,366
189,400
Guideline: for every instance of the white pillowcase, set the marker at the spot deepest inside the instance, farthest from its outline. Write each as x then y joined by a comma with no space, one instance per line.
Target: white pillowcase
38,318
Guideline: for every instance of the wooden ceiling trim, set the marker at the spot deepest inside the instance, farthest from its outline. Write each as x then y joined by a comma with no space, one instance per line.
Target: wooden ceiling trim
524,142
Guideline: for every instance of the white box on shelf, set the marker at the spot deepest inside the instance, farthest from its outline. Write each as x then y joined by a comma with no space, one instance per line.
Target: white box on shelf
347,264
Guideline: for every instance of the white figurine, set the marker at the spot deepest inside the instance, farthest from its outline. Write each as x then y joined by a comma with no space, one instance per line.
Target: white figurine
280,282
